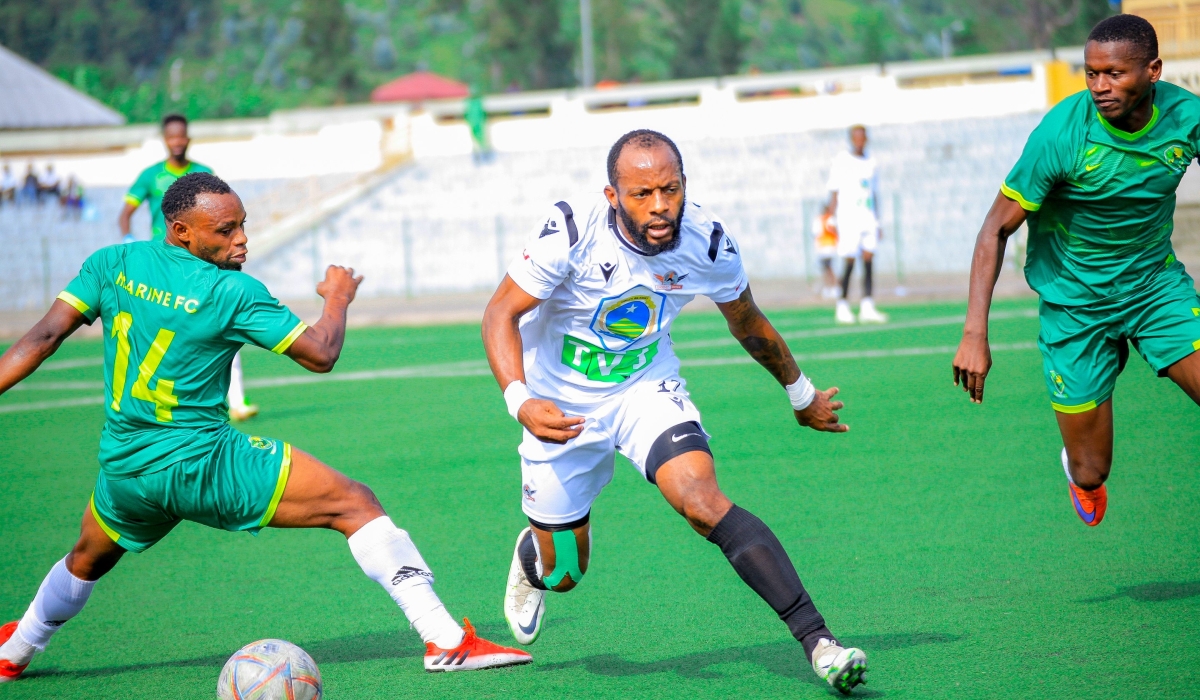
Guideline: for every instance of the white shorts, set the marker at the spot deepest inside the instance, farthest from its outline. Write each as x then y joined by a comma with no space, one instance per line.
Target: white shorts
559,483
858,238
826,252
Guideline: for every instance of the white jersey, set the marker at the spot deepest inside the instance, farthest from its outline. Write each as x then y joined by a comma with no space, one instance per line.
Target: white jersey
855,180
605,321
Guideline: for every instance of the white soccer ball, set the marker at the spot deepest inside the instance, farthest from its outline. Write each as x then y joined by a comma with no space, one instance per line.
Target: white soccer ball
270,669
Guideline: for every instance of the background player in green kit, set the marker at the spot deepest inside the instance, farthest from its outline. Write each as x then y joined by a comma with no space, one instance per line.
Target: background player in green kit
149,188
1096,183
174,314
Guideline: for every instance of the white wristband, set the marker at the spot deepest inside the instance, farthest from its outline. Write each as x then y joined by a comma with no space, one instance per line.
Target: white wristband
515,396
802,393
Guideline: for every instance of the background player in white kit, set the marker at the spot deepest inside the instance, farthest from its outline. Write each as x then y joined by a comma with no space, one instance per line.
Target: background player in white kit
578,336
854,187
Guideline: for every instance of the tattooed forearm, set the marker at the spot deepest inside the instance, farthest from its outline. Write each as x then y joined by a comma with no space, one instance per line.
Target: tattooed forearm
760,339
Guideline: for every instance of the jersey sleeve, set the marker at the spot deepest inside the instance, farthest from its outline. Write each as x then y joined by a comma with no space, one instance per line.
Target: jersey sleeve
546,260
727,278
1045,162
83,292
258,318
140,190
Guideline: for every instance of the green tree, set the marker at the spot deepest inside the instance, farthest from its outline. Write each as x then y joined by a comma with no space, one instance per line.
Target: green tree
329,40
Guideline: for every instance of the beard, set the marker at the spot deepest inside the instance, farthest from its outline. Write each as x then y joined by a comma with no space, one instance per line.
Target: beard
221,264
640,236
236,267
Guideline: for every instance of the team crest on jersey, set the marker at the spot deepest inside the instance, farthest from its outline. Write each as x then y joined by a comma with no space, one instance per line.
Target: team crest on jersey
1060,387
1176,157
261,443
622,320
670,281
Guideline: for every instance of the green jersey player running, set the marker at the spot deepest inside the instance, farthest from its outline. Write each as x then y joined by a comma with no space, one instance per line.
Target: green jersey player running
1096,184
174,314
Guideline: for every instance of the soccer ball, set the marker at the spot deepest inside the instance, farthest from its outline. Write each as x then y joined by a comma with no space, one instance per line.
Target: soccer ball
270,669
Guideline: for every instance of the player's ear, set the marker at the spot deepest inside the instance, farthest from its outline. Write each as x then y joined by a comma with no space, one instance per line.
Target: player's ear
611,193
180,230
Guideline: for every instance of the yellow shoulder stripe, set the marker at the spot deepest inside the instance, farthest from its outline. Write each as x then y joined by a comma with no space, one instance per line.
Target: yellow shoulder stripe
132,201
289,339
1018,198
74,301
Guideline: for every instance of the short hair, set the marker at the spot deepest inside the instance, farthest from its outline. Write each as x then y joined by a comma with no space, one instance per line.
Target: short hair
174,117
1130,29
856,127
181,196
642,138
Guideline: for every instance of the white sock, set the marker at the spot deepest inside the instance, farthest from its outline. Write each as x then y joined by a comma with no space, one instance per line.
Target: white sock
60,597
387,554
237,395
1066,468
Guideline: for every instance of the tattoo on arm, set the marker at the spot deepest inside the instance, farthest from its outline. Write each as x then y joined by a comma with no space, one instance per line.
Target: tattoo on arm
760,339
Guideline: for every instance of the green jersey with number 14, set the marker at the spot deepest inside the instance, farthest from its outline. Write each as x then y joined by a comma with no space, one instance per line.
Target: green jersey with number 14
172,324
1101,201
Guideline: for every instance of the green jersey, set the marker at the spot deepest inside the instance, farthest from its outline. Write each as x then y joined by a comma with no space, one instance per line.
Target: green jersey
172,324
1101,201
150,187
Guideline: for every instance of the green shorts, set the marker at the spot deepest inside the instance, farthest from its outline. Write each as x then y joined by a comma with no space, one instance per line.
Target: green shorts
1084,347
237,486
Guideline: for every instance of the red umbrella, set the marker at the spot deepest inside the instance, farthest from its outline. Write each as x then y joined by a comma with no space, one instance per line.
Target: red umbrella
419,86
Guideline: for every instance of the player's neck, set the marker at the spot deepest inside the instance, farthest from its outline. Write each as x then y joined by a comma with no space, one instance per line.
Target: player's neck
178,163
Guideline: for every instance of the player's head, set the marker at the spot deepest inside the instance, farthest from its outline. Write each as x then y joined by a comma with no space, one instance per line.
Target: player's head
646,187
1121,64
858,138
175,135
206,216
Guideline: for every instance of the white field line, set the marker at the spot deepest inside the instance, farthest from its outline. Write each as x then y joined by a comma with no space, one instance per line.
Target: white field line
71,364
479,368
854,330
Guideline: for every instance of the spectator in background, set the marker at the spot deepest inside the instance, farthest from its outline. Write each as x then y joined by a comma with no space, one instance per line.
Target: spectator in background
476,118
71,198
8,185
29,188
49,184
853,187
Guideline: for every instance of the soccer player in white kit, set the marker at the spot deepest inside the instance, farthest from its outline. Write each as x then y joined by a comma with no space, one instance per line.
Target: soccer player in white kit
854,186
578,335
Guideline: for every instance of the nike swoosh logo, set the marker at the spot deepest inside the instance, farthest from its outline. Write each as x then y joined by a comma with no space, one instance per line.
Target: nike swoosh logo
1090,168
532,625
1083,514
1146,163
677,438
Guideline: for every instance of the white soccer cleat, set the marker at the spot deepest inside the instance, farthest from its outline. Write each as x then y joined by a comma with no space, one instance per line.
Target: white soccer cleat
243,412
844,314
524,605
841,668
867,313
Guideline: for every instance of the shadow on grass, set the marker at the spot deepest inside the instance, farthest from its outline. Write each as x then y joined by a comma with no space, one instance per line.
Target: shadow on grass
1152,592
780,658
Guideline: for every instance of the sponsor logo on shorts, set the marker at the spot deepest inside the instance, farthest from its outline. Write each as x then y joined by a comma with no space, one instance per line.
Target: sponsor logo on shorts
1060,387
529,491
677,438
407,572
259,443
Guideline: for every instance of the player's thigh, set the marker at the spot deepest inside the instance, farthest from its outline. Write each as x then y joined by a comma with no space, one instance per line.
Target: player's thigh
95,552
317,495
559,483
1164,325
1083,351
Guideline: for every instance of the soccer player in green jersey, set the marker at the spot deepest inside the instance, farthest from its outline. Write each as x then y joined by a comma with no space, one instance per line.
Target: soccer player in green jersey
1096,184
149,188
174,314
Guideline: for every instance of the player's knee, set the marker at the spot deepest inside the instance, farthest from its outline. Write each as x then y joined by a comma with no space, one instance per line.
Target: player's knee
704,508
361,501
561,555
1090,471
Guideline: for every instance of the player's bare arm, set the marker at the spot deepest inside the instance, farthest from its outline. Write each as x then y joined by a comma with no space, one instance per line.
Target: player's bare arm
320,345
974,357
502,341
123,221
754,331
28,353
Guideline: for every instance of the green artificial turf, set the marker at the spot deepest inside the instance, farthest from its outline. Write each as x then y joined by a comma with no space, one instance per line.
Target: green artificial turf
937,535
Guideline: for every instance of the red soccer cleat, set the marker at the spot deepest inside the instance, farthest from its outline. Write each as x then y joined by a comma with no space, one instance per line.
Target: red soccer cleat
472,654
8,670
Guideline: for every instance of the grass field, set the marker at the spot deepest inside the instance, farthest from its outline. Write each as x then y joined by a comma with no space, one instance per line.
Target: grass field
936,535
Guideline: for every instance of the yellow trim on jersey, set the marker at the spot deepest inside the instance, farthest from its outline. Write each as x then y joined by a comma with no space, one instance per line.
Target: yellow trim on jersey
1125,134
285,470
1018,198
177,173
74,301
112,534
132,201
289,339
1081,408
1196,345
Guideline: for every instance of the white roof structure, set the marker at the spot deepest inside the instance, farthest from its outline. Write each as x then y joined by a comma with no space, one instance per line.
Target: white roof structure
31,98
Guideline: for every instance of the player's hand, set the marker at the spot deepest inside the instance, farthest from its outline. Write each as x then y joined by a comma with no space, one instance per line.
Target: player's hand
339,283
547,422
820,414
971,365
